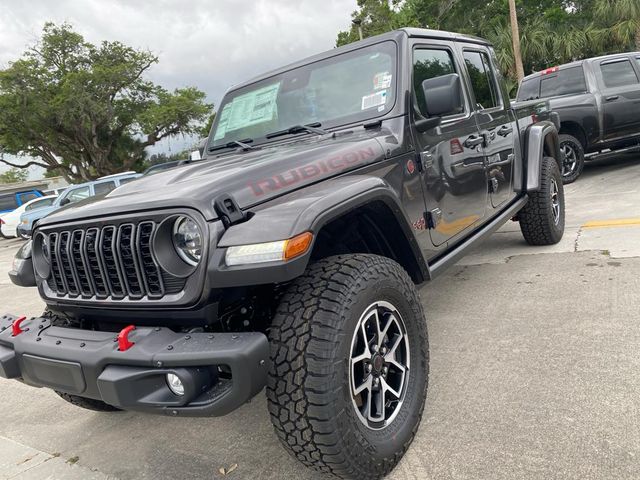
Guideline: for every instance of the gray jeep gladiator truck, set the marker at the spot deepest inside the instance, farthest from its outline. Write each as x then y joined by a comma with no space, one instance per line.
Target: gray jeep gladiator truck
598,100
290,255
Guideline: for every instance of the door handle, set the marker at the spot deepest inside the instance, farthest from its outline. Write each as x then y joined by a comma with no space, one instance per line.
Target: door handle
505,131
473,141
612,98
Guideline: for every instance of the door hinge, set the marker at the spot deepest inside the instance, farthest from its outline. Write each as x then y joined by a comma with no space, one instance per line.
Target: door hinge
433,218
424,161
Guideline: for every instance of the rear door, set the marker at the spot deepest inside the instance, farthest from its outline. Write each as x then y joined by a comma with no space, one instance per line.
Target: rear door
619,80
453,162
496,121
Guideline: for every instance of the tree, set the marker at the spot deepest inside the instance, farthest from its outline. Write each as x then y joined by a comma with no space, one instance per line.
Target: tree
625,15
87,111
515,39
552,32
14,175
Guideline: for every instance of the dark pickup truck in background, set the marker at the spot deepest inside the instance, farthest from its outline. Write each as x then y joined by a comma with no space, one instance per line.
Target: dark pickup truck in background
598,100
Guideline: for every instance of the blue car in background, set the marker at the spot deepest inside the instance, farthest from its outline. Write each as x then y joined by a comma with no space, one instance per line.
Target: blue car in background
14,198
72,194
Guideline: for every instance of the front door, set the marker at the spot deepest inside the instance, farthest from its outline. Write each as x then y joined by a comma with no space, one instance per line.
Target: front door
455,183
621,98
496,121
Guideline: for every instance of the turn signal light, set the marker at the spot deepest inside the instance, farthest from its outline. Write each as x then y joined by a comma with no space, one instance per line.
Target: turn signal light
298,245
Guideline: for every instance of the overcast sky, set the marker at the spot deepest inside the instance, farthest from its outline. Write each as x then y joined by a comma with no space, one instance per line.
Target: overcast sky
209,44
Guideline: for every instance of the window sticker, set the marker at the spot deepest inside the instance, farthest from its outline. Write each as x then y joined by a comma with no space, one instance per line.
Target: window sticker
221,130
382,80
374,100
249,109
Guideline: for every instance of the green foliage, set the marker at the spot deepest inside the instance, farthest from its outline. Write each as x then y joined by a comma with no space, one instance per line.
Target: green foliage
14,175
86,110
552,31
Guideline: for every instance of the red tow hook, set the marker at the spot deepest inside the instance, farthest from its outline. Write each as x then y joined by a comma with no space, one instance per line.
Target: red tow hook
15,326
123,338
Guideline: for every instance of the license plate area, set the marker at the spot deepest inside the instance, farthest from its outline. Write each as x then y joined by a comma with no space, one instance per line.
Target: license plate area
56,374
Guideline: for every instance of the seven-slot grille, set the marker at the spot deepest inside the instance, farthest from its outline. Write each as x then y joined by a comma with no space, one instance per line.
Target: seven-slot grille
109,261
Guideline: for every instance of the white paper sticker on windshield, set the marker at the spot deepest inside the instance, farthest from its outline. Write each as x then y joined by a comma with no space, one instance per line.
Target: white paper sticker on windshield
221,129
382,80
374,100
249,109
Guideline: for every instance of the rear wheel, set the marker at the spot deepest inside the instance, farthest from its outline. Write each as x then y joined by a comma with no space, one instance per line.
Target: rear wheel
349,353
542,218
573,162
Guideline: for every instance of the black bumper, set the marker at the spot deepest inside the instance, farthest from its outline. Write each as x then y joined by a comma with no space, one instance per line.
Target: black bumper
219,371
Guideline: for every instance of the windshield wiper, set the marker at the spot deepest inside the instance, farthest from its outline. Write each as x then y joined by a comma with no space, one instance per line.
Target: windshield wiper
311,128
244,144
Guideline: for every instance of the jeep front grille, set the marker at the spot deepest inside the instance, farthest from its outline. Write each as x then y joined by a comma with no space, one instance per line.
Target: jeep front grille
113,261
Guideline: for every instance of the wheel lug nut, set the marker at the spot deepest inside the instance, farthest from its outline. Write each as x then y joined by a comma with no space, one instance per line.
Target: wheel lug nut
369,368
374,348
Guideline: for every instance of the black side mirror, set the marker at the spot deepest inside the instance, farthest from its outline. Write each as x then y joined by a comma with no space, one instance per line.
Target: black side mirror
443,95
64,201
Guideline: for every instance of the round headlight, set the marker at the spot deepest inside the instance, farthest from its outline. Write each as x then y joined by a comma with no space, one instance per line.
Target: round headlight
44,245
187,239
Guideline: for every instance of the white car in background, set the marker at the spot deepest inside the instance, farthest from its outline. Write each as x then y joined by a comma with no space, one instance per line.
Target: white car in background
9,221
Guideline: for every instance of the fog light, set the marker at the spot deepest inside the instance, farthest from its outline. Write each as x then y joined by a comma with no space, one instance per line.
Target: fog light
175,384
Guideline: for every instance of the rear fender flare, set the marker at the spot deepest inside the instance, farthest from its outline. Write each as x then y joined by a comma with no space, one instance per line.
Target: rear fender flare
541,141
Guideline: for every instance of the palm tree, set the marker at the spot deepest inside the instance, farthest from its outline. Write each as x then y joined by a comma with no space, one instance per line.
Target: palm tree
626,17
515,37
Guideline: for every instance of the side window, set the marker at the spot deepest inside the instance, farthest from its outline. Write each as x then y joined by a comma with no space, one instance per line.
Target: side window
427,64
104,188
25,197
127,180
8,202
78,194
39,204
618,74
529,90
482,79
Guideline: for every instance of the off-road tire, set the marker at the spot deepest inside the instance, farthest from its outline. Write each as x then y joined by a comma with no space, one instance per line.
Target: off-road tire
58,320
309,394
537,220
578,151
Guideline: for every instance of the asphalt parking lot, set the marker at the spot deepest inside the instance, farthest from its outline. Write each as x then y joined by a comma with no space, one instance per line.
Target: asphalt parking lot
535,371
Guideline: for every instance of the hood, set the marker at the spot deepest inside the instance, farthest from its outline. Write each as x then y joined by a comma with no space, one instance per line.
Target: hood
251,177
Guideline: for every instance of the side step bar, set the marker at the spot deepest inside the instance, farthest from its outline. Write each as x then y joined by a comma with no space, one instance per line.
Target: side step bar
451,257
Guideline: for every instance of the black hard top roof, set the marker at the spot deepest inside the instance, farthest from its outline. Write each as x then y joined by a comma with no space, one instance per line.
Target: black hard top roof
394,35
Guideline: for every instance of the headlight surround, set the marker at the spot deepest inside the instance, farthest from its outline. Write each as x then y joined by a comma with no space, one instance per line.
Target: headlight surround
279,251
187,240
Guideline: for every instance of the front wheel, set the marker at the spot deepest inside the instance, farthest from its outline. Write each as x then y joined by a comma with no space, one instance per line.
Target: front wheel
349,366
542,218
22,235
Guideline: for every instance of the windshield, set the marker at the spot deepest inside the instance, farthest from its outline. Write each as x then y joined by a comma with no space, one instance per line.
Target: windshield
347,88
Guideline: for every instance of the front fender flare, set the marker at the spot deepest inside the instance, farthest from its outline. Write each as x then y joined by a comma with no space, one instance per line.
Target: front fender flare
305,210
541,141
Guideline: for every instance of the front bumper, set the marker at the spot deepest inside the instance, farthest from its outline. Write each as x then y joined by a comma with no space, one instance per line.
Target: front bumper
23,230
220,371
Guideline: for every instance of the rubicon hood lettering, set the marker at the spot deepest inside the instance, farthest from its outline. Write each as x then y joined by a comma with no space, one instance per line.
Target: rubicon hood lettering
251,177
312,170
